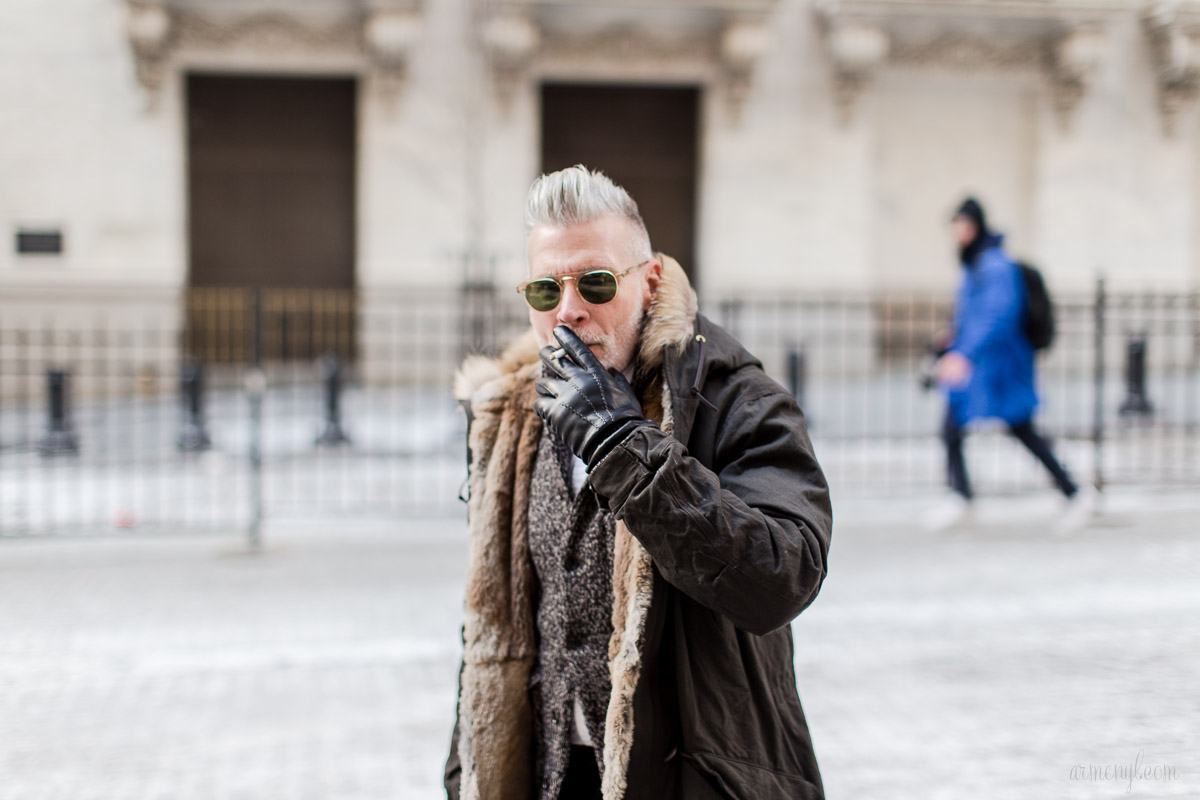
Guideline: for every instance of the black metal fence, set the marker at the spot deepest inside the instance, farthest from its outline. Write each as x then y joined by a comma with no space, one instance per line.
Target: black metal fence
1120,387
294,404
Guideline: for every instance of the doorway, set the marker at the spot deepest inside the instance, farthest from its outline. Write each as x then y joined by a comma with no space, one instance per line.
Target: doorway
643,137
271,213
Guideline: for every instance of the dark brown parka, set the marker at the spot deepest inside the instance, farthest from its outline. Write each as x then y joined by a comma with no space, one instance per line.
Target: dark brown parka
723,534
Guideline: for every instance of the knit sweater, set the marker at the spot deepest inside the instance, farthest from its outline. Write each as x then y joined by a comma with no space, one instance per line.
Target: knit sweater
571,545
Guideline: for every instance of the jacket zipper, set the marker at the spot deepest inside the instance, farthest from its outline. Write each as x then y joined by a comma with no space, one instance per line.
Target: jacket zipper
700,373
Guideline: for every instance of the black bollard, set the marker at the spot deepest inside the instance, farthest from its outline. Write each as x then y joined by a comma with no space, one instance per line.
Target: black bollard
797,374
1135,403
59,438
192,435
331,376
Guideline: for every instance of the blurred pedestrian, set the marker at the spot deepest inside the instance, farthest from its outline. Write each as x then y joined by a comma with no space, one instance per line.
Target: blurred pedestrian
646,517
987,369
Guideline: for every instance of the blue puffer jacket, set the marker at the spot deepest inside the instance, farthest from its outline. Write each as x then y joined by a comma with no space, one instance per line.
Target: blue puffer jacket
989,314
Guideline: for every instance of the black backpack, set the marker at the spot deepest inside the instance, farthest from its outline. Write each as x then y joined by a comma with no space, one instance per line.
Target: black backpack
1039,314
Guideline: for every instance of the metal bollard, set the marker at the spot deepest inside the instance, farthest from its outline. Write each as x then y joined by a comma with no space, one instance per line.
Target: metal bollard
1135,403
255,383
331,376
797,373
192,435
60,438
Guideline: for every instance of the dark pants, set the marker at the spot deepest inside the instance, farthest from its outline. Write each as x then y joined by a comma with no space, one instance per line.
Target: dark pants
582,781
956,467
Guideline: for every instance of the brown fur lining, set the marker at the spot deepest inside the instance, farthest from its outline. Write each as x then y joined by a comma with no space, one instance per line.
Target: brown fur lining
495,745
495,720
633,591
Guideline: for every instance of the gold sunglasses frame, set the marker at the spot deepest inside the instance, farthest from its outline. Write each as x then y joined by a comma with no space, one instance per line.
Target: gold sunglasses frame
560,281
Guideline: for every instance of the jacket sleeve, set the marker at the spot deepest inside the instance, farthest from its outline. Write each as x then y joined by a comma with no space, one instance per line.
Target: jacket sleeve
750,540
452,775
453,772
995,312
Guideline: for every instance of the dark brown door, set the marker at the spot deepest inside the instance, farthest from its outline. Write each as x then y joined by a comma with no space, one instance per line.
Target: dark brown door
644,138
271,181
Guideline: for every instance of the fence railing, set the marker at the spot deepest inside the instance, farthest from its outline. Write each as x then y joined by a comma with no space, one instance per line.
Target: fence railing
238,325
856,361
290,404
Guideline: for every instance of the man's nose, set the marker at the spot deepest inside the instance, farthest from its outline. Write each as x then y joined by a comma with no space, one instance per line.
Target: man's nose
571,308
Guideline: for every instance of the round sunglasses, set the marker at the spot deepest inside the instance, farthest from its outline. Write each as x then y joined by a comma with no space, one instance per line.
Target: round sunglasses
597,287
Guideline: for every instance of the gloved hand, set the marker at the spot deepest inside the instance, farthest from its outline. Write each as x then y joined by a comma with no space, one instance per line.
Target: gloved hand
591,409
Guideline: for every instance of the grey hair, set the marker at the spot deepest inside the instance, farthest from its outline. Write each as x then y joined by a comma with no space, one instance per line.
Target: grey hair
578,195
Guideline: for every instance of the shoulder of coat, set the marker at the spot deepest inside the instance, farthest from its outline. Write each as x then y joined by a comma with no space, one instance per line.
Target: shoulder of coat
477,373
672,317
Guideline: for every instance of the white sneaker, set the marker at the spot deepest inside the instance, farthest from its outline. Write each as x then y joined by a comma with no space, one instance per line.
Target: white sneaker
955,511
1079,510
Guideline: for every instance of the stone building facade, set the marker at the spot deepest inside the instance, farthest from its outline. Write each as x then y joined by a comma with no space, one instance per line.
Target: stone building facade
824,143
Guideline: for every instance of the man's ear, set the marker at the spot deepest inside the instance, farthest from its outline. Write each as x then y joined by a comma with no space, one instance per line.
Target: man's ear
653,279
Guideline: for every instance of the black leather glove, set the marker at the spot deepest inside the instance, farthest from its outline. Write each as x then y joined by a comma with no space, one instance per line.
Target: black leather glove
591,409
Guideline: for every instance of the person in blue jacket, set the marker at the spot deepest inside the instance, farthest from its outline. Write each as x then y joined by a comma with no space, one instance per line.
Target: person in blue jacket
987,370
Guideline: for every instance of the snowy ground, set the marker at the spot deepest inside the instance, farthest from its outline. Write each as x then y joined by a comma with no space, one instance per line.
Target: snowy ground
998,662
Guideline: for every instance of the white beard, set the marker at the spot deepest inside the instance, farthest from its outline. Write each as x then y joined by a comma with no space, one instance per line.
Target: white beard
619,347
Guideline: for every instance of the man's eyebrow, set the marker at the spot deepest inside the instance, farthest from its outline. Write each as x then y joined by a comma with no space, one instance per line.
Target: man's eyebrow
579,270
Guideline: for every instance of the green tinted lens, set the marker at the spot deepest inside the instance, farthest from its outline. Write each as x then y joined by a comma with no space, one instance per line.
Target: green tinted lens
542,295
597,287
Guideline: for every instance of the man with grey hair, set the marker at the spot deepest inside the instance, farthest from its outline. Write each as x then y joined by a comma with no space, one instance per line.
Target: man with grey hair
646,517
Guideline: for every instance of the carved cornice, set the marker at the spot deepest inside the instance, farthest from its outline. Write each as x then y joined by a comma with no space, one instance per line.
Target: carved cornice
1173,30
988,10
729,37
381,37
266,32
626,44
1064,41
962,52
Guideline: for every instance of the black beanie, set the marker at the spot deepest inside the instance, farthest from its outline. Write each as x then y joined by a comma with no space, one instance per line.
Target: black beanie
972,210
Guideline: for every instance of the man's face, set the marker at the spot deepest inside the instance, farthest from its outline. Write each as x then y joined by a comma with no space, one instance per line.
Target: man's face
611,329
964,230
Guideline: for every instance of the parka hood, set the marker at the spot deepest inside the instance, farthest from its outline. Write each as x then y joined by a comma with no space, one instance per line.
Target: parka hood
985,241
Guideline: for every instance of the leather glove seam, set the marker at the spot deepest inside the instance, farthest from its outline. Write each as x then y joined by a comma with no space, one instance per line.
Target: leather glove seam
570,381
559,401
600,383
587,399
583,417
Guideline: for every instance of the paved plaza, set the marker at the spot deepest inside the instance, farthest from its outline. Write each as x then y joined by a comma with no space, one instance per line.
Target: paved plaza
998,662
